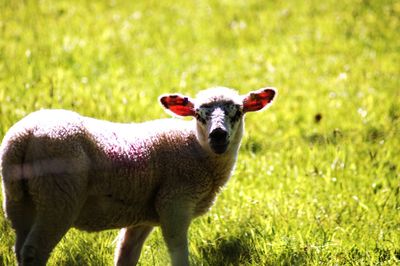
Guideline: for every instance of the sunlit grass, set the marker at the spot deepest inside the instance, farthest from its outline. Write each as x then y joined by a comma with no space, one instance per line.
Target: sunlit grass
317,181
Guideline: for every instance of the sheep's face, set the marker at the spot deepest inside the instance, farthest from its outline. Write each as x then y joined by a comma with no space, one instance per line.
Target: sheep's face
219,113
218,124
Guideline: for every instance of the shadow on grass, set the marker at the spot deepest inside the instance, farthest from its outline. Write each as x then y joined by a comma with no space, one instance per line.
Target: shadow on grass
227,251
241,251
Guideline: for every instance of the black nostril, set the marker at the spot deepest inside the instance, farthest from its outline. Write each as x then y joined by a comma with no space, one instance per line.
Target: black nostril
219,134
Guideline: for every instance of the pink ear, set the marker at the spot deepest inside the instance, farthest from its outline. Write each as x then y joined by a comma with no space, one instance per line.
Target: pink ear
178,104
257,100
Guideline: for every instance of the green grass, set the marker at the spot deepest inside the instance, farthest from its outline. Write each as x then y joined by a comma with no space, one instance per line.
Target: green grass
305,191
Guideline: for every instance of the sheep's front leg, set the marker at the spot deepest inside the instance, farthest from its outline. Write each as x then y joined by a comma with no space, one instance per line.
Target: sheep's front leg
175,218
130,242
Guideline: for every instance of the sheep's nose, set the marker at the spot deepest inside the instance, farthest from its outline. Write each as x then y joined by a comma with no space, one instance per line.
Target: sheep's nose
219,135
219,140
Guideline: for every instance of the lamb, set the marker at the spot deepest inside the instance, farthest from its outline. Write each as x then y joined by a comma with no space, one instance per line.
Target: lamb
63,170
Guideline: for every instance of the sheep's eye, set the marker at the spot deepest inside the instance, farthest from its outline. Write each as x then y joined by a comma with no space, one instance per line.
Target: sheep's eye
237,116
200,118
203,115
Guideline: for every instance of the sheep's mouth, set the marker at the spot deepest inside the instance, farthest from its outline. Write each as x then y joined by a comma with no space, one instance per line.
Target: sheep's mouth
219,147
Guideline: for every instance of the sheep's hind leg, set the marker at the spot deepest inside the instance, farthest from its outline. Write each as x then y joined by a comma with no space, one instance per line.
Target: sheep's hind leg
58,204
130,243
21,214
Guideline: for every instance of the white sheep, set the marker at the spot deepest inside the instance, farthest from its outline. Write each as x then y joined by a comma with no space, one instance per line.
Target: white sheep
63,170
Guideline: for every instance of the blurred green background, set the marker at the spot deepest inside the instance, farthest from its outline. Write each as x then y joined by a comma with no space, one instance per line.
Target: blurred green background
317,180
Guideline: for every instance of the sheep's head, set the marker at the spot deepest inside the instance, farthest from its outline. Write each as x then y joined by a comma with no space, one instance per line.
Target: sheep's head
219,113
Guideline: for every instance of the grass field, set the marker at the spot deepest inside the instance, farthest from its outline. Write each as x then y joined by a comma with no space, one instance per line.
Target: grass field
318,176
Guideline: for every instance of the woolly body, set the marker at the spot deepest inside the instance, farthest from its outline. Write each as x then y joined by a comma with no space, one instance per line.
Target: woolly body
62,170
128,170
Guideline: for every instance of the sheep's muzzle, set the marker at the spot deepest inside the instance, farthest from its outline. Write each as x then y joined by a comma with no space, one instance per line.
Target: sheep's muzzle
218,140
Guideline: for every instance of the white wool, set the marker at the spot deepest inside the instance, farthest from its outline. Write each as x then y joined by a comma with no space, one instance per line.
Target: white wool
218,94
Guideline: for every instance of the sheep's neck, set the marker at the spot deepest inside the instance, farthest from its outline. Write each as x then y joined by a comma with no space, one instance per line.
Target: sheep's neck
223,166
